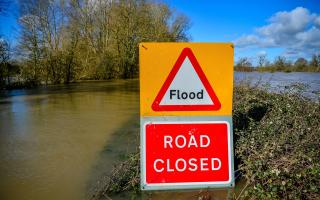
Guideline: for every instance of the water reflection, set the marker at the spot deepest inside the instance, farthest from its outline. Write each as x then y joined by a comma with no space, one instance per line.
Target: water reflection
51,140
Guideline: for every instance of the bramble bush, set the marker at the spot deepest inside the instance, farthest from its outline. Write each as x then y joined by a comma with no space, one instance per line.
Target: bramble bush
124,177
277,143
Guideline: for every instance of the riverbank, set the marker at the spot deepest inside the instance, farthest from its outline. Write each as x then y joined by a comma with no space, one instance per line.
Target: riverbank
33,85
274,69
277,147
280,68
276,82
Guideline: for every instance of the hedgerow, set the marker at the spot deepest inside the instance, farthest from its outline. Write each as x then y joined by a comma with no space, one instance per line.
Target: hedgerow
277,143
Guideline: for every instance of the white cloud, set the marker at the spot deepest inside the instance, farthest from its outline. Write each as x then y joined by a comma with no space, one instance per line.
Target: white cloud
262,53
311,37
247,40
286,22
295,31
317,21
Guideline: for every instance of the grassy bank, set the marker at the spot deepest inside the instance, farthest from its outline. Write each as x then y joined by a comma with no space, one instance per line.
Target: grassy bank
277,148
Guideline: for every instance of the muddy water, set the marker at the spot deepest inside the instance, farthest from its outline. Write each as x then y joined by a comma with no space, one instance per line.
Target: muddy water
51,140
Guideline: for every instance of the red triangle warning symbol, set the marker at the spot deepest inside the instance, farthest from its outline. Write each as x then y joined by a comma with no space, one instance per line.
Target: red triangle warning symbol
186,88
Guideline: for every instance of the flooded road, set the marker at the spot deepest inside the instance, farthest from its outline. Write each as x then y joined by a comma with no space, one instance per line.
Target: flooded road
56,142
51,140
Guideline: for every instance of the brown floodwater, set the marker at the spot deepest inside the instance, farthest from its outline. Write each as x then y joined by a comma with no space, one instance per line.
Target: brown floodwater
51,140
57,143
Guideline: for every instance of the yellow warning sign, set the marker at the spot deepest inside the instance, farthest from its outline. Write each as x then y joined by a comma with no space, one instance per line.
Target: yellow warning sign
186,79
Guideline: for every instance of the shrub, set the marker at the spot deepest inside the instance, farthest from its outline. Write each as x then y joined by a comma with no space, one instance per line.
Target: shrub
279,146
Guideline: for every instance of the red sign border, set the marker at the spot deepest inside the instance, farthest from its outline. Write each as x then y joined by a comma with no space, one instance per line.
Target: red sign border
185,185
186,52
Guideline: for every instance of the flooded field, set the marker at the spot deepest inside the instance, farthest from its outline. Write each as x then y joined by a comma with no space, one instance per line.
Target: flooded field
280,81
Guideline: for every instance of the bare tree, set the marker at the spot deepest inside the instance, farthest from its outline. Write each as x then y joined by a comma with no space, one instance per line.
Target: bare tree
280,63
64,40
315,62
4,62
244,62
262,61
300,64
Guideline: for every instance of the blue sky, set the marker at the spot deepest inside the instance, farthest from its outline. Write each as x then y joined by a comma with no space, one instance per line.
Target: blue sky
240,21
8,23
288,28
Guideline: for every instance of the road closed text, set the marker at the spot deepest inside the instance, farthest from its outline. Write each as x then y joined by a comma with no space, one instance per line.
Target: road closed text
181,164
198,152
192,164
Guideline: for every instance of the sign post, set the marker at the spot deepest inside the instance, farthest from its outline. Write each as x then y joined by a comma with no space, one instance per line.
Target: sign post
186,115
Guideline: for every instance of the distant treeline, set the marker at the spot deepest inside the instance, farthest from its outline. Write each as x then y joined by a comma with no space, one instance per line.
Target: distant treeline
66,40
280,64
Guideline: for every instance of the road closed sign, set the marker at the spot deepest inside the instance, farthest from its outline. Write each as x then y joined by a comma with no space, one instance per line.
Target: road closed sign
186,115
